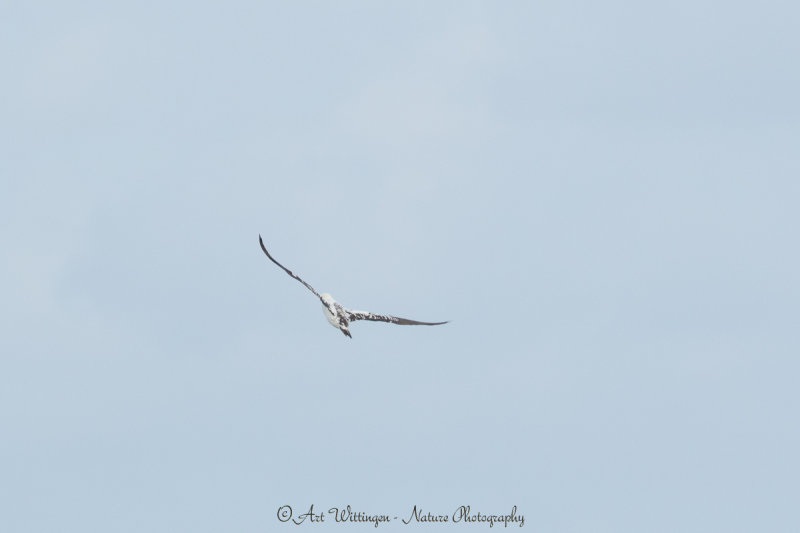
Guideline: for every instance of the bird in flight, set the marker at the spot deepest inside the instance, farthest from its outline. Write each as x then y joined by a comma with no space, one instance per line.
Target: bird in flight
338,316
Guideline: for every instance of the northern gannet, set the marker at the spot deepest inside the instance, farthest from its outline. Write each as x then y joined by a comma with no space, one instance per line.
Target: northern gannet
338,316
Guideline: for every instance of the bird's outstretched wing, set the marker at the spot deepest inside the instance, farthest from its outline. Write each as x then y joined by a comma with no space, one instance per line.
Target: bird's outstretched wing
295,276
364,315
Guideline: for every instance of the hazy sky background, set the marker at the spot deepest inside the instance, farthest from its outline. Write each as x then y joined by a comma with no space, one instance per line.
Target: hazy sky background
602,198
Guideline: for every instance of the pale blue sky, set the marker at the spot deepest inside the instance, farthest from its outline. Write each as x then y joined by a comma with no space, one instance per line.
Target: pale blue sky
601,197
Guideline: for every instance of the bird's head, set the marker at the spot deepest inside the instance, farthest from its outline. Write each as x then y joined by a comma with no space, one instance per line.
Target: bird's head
327,298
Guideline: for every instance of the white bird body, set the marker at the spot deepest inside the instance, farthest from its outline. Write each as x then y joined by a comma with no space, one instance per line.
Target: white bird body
338,316
335,313
327,303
